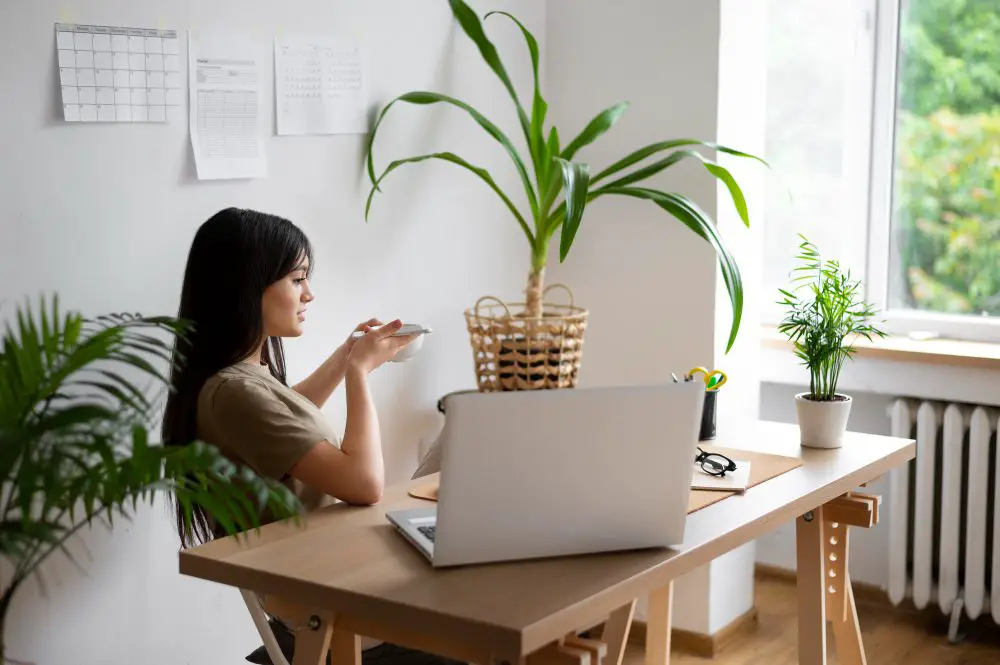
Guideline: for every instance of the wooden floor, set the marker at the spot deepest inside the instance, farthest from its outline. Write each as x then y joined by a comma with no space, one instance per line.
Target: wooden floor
891,636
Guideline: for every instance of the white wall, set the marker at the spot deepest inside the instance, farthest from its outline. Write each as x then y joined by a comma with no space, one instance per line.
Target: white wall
647,280
104,214
742,105
651,284
869,547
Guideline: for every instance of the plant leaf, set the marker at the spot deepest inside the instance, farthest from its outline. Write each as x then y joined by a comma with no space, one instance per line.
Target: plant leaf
601,123
454,159
695,219
115,392
469,22
735,192
716,170
576,177
553,142
651,169
653,148
539,107
426,98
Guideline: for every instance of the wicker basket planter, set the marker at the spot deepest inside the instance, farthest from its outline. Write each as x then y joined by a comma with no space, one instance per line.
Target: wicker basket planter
512,351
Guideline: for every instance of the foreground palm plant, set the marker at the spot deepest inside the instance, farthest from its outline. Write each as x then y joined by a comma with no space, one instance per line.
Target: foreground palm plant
74,442
558,186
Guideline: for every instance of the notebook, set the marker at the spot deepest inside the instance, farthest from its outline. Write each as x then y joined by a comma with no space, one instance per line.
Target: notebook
765,467
733,481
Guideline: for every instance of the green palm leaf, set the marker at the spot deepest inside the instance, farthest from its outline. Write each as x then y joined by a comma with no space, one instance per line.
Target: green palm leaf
823,324
454,159
426,98
596,128
685,211
536,140
716,170
557,173
653,148
735,193
576,177
552,144
470,24
68,456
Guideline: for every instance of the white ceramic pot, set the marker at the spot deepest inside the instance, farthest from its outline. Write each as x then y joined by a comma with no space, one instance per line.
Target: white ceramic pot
822,424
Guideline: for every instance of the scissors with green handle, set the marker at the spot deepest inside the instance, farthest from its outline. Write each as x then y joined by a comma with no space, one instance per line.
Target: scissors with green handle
713,380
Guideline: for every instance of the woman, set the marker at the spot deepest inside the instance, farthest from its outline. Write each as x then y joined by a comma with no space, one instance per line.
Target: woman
246,286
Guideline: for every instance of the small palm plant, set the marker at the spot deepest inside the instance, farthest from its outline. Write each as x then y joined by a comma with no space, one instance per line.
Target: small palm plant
557,172
74,443
825,322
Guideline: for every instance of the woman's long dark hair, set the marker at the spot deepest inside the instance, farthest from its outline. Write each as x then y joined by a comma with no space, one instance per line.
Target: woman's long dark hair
234,257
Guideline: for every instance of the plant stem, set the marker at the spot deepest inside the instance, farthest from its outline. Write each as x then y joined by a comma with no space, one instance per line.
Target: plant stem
536,278
536,285
838,366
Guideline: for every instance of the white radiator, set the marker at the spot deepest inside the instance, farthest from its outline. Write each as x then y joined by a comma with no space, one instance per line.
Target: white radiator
944,531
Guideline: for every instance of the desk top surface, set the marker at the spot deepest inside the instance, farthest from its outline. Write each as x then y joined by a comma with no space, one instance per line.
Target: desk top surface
351,559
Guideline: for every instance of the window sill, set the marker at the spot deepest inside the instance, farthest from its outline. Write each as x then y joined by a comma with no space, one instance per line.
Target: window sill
941,369
951,352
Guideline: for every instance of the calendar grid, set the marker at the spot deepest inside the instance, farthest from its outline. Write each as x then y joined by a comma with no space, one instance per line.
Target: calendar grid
117,74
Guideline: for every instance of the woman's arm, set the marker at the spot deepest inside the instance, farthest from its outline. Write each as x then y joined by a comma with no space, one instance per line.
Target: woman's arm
319,385
355,472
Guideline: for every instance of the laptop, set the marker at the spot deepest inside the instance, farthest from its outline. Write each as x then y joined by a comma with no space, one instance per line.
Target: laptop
534,474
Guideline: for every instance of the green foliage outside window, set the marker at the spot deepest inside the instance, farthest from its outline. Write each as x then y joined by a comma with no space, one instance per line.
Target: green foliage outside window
947,181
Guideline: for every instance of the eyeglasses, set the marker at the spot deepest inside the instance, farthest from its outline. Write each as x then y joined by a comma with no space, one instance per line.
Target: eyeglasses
713,463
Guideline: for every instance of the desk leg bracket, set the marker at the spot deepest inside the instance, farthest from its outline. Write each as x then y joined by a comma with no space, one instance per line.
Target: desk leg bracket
824,585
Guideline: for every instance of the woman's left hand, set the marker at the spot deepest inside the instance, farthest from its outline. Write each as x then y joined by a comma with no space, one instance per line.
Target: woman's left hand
351,339
321,384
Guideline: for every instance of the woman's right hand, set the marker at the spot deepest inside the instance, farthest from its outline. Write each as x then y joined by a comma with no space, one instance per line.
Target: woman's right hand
378,347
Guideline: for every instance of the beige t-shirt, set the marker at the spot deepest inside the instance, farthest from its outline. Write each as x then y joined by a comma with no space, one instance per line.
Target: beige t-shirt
255,420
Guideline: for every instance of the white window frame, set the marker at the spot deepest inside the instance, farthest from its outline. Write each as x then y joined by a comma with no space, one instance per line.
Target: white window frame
861,104
878,268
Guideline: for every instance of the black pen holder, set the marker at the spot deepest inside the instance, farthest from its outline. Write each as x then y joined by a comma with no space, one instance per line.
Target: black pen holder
708,416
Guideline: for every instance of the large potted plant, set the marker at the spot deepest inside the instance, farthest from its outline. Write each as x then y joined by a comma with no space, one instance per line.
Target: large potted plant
530,345
826,315
74,446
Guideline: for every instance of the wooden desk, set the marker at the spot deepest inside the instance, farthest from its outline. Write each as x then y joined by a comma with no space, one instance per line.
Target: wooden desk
348,572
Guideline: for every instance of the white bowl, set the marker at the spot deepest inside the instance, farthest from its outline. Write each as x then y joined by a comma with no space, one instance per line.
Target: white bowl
410,350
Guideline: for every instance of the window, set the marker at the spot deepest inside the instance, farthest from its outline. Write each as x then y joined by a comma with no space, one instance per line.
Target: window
942,222
884,134
820,64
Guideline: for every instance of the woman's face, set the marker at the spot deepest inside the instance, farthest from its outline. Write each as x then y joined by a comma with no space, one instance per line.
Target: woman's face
284,303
